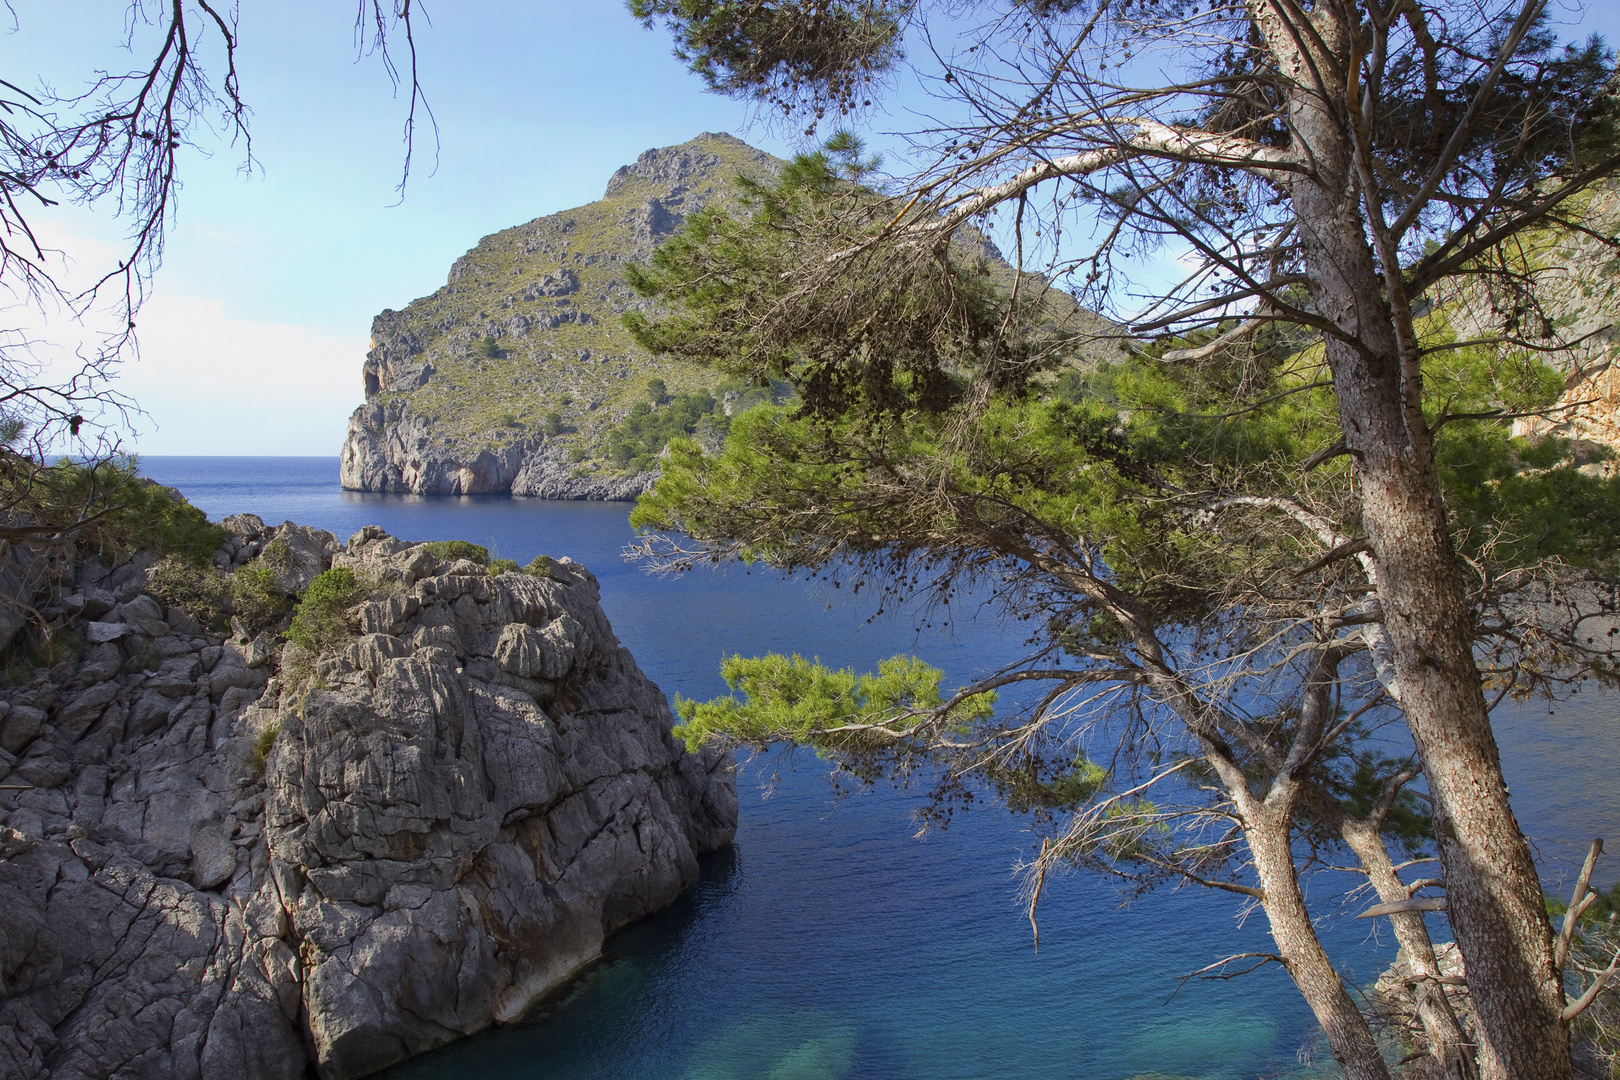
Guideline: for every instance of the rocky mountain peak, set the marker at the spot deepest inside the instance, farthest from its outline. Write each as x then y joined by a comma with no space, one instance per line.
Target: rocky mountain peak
667,172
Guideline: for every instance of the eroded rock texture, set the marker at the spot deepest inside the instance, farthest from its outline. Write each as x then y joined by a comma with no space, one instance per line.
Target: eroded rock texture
456,807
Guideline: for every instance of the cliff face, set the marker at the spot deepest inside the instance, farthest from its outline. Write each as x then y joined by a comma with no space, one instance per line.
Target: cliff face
1579,275
218,866
508,378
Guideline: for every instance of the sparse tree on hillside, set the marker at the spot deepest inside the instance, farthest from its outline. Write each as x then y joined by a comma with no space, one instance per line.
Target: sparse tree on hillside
1370,184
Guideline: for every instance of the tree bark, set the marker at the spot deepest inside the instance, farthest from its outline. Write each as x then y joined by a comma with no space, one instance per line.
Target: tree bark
1266,831
1494,894
1448,1048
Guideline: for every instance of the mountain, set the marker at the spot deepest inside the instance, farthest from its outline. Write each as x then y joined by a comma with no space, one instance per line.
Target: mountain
509,378
518,375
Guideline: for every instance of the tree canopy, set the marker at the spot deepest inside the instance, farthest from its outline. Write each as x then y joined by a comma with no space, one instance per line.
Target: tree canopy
1292,510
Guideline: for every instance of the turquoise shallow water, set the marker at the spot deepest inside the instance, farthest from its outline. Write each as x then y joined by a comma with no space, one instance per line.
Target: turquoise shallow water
829,943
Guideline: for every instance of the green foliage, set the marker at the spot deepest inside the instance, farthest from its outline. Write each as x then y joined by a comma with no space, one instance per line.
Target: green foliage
554,423
278,557
264,744
1094,384
539,566
850,328
1142,478
256,596
489,349
771,52
109,509
503,566
202,589
1357,779
450,550
1067,787
319,623
638,440
657,392
252,593
151,518
854,717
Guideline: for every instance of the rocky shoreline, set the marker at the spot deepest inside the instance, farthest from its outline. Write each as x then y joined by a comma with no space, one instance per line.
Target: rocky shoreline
222,857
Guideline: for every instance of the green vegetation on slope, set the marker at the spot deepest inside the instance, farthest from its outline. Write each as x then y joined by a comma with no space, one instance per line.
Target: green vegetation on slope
528,324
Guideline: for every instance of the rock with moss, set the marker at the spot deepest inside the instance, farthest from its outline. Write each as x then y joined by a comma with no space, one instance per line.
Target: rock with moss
394,814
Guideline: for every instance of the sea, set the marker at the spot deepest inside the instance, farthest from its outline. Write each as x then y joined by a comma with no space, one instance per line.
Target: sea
831,941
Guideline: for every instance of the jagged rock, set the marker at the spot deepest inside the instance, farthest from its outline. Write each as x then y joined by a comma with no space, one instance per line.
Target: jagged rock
213,857
309,552
22,573
98,632
455,808
243,526
20,727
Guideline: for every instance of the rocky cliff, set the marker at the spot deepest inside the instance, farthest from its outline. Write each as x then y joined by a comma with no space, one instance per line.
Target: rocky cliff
1578,276
224,858
508,378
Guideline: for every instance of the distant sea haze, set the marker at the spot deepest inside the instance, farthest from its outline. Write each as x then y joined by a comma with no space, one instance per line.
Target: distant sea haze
830,943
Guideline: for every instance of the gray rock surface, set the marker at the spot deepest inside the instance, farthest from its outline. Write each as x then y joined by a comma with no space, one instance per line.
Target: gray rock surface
220,858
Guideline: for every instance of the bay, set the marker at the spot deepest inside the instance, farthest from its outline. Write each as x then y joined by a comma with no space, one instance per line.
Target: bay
829,942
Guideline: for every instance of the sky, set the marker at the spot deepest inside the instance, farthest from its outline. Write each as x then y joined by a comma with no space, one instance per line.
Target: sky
258,322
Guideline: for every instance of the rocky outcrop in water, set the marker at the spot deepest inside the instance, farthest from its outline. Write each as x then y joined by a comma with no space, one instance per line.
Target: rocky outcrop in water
224,858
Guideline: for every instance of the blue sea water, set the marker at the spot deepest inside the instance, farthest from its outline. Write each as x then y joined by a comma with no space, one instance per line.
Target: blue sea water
829,943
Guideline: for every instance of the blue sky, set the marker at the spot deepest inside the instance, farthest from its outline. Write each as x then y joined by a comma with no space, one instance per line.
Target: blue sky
258,323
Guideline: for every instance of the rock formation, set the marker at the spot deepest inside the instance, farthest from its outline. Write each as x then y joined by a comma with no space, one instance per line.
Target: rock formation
225,859
508,378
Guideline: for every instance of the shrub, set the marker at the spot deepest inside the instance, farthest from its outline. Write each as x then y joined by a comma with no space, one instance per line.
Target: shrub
126,512
200,588
636,442
213,596
502,566
554,423
278,556
657,392
540,566
262,746
319,622
255,598
488,349
457,549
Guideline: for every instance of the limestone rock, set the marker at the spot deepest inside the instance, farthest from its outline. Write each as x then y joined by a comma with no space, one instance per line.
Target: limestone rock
223,867
445,416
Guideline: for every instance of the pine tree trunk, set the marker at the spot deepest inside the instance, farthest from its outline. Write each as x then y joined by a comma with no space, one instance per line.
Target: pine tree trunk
1266,832
1493,892
1448,1046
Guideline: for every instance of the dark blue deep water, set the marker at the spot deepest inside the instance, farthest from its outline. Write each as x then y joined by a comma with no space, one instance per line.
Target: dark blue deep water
830,944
